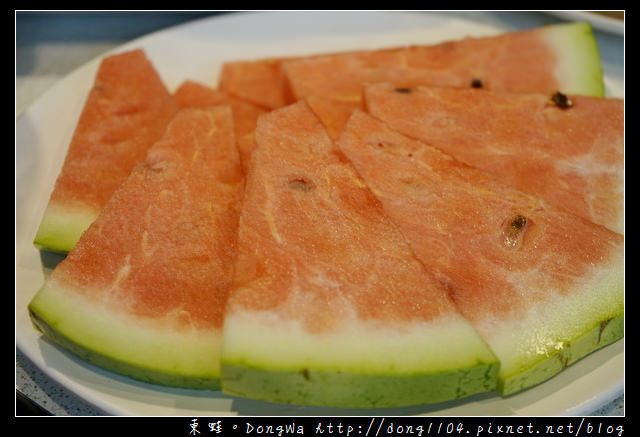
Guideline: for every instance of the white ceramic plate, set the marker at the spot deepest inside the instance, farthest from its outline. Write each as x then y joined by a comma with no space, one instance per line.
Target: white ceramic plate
196,51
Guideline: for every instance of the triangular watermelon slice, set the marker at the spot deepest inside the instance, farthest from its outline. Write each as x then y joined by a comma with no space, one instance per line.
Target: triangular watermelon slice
329,306
543,287
245,114
552,58
572,157
127,110
143,291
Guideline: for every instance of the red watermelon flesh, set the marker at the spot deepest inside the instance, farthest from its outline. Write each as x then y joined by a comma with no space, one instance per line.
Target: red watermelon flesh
257,81
542,286
143,291
573,157
333,113
329,306
245,114
127,110
261,81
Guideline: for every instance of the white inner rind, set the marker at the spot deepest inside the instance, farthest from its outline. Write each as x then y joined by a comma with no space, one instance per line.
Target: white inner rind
265,339
553,324
156,344
578,67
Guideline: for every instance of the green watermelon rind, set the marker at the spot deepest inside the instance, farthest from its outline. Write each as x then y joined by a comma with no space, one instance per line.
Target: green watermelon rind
579,66
62,226
365,366
353,390
155,353
596,319
606,332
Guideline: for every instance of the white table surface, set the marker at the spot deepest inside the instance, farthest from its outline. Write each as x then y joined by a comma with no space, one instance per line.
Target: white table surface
50,45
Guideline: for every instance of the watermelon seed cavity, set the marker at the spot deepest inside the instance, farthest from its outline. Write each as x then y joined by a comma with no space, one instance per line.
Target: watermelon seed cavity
301,184
476,83
513,232
561,100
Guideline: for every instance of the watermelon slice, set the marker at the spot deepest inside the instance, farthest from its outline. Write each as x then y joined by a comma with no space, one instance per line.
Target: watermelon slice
329,306
571,157
127,110
245,114
555,57
543,287
561,57
143,291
